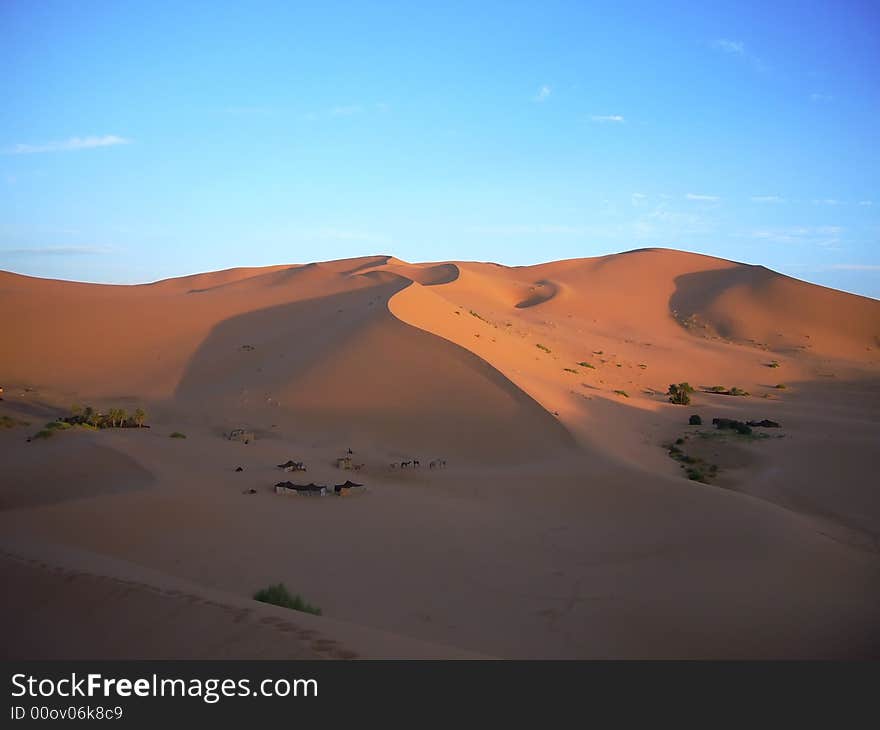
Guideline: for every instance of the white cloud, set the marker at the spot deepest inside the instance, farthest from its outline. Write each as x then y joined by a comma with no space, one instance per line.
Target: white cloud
866,202
738,49
824,236
346,111
247,110
617,118
528,230
854,267
74,143
343,234
826,201
724,45
767,199
543,93
58,251
703,198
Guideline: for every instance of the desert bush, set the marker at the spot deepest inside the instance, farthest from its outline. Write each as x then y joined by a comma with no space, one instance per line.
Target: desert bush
695,420
278,595
44,434
780,386
738,391
570,370
177,435
621,393
679,394
732,424
543,347
57,425
716,389
587,365
773,364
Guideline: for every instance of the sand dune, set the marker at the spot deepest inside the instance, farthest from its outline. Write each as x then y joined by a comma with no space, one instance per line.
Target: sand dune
561,528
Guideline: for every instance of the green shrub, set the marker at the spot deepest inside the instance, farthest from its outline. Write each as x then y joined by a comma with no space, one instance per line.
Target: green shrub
278,595
622,393
44,434
716,389
9,422
543,347
679,394
773,364
178,435
780,386
695,420
58,426
570,370
696,475
738,391
587,365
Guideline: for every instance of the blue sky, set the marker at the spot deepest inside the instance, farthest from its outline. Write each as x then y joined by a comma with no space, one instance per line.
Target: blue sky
145,140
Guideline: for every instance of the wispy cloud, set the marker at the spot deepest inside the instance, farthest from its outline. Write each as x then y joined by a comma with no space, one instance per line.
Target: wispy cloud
724,45
543,93
58,251
248,110
345,234
703,198
767,199
346,111
826,201
737,49
855,267
615,118
821,98
67,145
866,202
528,230
823,236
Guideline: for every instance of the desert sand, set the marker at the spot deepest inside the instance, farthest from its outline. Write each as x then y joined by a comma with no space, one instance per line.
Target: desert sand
560,526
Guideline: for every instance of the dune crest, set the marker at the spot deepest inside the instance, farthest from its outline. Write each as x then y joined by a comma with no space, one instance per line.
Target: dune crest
554,502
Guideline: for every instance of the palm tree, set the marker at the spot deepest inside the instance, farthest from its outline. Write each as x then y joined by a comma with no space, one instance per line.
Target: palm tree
122,415
139,416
